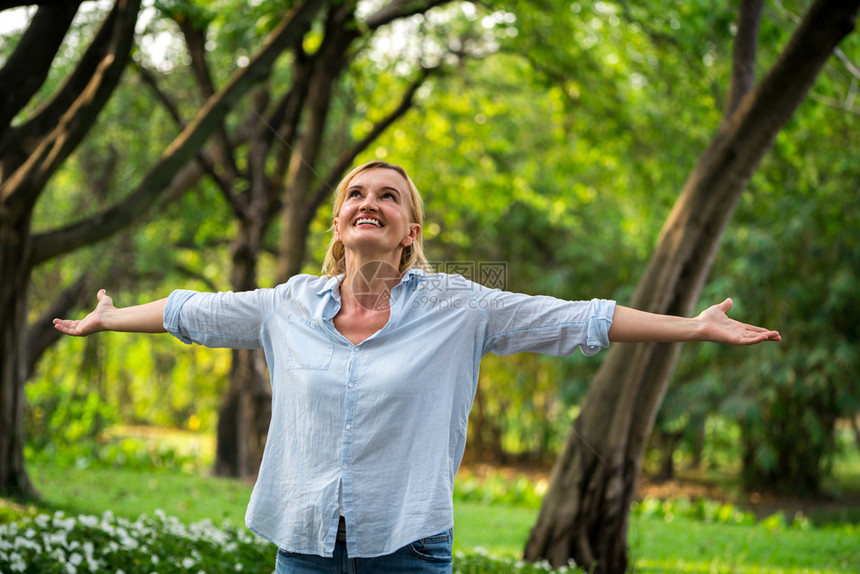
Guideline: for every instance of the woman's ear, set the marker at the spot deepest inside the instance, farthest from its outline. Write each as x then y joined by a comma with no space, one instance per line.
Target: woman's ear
414,231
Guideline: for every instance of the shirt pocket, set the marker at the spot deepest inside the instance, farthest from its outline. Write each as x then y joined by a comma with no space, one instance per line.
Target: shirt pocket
309,346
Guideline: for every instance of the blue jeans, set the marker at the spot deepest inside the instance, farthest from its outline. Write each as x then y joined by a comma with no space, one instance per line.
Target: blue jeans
433,554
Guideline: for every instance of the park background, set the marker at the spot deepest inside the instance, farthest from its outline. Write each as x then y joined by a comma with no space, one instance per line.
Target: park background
550,140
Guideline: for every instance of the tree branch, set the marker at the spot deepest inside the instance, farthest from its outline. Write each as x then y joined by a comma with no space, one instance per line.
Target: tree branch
288,113
347,157
20,191
397,9
104,45
849,65
203,158
149,79
183,148
195,41
28,66
744,54
188,272
41,334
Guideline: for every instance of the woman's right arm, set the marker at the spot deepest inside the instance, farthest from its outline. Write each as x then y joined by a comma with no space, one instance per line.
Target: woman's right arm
146,318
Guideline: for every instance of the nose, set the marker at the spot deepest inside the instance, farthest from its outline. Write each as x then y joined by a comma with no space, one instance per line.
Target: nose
368,203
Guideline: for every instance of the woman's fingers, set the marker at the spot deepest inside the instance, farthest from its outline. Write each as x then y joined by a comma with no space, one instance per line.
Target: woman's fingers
89,324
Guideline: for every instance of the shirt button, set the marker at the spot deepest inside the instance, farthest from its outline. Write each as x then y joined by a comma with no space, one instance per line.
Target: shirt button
348,427
346,467
350,385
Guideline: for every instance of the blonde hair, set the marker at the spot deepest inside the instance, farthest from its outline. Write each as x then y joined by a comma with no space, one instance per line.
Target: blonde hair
412,255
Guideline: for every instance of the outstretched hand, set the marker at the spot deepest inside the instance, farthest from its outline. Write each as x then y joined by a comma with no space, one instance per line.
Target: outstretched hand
92,323
719,328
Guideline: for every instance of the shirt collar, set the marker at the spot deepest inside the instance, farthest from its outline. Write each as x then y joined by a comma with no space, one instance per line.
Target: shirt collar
412,274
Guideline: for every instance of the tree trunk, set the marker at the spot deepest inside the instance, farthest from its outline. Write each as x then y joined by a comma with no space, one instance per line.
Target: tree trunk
667,443
29,156
14,255
243,417
585,513
245,411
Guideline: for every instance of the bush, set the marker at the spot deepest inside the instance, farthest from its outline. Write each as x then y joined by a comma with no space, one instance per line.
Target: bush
71,545
57,544
495,488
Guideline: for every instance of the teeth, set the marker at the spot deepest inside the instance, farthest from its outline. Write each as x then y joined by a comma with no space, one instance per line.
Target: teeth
368,220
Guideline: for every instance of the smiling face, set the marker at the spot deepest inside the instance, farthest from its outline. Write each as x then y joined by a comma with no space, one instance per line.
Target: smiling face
375,216
411,256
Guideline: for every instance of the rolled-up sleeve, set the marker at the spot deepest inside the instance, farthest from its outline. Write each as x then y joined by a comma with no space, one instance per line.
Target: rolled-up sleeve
231,320
597,334
172,310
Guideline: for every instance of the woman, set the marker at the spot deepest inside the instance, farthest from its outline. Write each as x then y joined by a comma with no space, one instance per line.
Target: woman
373,369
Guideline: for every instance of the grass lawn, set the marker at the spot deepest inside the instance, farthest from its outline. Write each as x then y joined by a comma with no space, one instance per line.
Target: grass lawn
684,545
130,493
657,544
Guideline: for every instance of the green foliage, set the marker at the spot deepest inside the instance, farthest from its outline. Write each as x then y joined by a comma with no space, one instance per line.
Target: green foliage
106,453
64,407
53,543
497,489
708,511
796,274
136,380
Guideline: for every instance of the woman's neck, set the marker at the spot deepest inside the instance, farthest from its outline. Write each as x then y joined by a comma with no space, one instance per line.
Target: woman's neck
368,283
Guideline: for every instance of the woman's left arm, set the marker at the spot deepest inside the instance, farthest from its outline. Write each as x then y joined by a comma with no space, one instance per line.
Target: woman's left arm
712,324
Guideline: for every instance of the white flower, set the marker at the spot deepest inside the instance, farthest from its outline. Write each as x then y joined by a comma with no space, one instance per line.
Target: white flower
76,559
89,521
26,543
65,523
56,539
187,563
17,563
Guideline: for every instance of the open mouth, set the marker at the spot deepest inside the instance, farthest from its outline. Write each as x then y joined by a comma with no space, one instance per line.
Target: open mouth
367,221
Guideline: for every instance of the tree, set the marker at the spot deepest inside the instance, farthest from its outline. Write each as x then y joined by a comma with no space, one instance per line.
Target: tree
30,152
33,150
585,513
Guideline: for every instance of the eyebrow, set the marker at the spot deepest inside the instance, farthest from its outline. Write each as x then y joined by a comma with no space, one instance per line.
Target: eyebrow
386,187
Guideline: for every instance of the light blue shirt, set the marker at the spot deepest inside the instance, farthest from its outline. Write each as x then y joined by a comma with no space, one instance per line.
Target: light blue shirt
375,431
